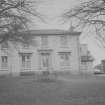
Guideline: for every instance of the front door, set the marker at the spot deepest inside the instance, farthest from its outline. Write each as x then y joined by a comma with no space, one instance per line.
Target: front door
45,61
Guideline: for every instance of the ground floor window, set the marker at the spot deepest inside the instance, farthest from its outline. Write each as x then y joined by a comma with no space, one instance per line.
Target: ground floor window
4,62
64,58
26,60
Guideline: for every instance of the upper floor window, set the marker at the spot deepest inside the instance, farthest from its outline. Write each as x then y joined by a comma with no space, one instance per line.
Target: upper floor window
25,46
4,45
44,41
4,62
64,41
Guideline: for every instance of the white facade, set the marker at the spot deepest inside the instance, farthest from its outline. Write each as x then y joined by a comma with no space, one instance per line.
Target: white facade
53,50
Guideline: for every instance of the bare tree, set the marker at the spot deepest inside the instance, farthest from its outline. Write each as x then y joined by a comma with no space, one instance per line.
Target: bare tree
14,19
90,13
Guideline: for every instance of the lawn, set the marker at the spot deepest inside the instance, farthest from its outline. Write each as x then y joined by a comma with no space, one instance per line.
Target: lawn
71,91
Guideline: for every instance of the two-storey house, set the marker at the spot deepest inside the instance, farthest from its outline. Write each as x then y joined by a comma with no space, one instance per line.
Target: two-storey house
53,50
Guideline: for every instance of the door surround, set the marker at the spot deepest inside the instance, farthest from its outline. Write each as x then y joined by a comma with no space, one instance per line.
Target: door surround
45,62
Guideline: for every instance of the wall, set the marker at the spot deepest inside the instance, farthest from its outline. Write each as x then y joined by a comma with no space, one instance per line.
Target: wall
54,44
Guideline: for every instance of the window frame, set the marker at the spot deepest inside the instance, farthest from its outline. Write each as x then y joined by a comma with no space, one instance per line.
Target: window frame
4,62
26,61
64,58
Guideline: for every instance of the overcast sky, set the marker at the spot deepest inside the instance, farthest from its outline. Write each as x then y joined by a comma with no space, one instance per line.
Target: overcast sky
52,10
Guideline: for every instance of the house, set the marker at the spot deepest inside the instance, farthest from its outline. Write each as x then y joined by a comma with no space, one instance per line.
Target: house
53,50
103,65
100,68
86,59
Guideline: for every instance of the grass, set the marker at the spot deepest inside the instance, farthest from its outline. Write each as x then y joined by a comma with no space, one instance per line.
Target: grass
66,91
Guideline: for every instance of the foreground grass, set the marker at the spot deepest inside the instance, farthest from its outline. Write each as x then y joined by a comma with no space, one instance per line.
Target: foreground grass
71,91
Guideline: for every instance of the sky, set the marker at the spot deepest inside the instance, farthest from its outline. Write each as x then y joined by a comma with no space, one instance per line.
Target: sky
52,10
